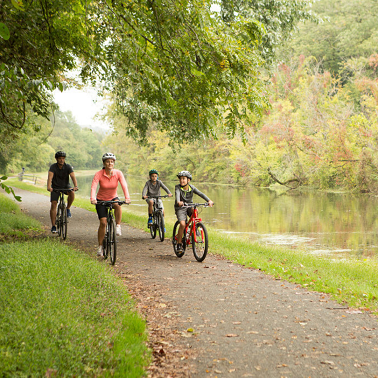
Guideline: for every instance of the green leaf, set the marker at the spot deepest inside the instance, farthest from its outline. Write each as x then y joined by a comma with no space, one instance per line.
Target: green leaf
4,31
18,4
196,72
3,178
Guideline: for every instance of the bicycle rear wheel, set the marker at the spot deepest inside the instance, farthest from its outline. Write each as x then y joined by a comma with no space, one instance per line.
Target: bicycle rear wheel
161,225
64,222
174,240
200,246
112,242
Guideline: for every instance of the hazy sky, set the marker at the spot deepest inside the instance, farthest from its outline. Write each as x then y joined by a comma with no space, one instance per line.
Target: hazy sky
82,104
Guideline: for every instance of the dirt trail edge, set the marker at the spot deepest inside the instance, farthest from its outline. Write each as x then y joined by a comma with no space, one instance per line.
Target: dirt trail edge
218,318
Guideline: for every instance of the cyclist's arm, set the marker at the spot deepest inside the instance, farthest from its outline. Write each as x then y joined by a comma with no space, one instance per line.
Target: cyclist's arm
73,178
178,201
123,182
166,189
95,182
202,195
49,180
144,191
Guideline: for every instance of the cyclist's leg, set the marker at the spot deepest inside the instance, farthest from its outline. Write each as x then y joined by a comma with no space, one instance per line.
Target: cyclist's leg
181,217
70,198
150,207
101,231
54,196
54,205
102,213
117,211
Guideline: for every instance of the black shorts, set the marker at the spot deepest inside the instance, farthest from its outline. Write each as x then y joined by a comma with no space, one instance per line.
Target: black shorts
54,196
102,211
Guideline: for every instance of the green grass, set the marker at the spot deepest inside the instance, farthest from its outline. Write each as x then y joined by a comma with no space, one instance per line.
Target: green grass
13,222
350,281
61,312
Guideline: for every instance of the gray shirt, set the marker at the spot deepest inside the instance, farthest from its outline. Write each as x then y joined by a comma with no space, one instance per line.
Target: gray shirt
152,190
187,196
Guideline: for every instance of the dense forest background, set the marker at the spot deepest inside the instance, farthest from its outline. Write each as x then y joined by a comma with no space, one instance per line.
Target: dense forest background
321,129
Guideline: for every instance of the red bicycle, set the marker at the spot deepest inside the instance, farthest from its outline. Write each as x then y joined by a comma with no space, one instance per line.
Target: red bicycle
195,234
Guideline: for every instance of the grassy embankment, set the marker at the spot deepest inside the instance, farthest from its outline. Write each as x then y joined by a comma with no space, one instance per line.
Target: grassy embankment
62,313
351,281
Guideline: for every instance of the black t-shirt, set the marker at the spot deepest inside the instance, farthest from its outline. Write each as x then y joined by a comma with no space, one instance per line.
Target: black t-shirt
61,178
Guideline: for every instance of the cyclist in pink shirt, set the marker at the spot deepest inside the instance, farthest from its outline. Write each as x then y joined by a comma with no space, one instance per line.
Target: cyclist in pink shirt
108,179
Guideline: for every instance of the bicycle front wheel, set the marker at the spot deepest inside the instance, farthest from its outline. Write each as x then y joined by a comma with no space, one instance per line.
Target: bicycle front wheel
153,228
161,225
64,222
174,240
58,222
112,243
200,242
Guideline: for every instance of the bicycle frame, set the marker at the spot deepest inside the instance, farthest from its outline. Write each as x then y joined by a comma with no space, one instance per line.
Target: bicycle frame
109,242
193,220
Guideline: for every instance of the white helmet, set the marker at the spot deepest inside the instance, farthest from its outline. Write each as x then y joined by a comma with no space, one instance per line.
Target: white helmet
108,155
184,174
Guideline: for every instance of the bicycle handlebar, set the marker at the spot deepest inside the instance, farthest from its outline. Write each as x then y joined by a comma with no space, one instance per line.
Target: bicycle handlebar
63,190
105,203
195,204
165,196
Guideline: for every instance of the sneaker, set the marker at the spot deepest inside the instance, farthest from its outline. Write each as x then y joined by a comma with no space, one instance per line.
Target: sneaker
99,251
118,230
53,229
180,247
150,221
69,215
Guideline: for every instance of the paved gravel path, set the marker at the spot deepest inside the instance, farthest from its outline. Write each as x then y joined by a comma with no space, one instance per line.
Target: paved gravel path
218,318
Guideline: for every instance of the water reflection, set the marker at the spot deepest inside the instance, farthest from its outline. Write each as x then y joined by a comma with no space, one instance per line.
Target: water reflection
318,222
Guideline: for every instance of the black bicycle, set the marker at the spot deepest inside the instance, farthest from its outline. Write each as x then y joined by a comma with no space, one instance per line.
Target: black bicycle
110,243
157,218
61,214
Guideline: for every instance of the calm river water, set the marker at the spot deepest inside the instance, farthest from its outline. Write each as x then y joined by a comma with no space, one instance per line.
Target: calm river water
320,223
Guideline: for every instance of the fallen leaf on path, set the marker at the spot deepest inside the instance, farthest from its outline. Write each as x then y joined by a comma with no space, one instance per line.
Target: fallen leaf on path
236,323
190,330
327,362
232,335
258,367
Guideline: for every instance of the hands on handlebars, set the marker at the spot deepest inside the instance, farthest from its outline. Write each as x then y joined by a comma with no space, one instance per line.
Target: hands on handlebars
151,197
206,204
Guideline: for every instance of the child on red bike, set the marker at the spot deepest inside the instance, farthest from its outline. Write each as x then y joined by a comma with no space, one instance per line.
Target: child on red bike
184,194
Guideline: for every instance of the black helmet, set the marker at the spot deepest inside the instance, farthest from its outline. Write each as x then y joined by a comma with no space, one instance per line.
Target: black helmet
108,155
152,171
184,174
60,154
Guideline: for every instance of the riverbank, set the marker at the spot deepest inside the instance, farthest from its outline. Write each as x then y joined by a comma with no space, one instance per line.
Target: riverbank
353,281
62,313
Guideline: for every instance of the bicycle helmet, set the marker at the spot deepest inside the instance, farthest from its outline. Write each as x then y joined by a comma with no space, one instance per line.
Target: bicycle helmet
152,171
60,154
184,174
108,155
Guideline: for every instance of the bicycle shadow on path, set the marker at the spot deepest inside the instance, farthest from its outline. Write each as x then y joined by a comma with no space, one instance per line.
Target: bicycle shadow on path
218,318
